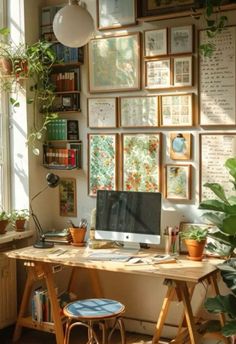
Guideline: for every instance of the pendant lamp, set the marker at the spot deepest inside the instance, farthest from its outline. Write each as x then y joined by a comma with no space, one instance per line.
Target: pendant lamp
73,25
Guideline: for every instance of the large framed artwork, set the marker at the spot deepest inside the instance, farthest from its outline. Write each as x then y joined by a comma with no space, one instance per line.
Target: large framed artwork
114,63
176,110
67,197
167,9
102,162
215,149
102,112
112,14
177,182
141,162
138,111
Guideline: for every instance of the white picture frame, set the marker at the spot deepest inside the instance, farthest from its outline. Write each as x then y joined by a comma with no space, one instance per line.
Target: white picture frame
157,74
155,42
102,112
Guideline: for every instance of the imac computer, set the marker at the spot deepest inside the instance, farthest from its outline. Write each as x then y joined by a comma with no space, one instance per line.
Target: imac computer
130,217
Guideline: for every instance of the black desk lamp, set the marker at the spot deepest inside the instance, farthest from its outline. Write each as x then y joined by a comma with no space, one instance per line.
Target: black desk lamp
52,182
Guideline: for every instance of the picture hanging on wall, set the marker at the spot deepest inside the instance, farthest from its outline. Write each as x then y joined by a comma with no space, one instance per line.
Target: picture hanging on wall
114,63
176,110
67,197
183,71
181,39
141,162
102,112
114,14
177,182
102,162
157,74
138,111
155,42
180,146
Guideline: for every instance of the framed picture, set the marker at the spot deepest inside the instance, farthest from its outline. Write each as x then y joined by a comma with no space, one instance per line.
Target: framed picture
184,226
183,71
176,110
155,42
138,111
112,14
157,74
114,63
215,149
166,9
177,182
180,146
67,197
181,39
141,162
102,162
102,112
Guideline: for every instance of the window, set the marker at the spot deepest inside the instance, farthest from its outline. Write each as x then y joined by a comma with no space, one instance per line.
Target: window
4,181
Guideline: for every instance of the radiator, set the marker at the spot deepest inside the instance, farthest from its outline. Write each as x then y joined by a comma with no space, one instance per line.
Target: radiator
8,298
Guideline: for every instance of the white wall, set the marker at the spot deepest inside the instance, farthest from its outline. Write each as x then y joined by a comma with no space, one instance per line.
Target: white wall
143,302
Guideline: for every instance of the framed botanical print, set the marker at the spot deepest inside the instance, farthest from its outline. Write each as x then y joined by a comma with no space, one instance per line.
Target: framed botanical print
112,14
102,162
141,162
181,39
157,73
138,111
155,42
176,110
102,112
180,146
67,197
183,71
177,182
114,63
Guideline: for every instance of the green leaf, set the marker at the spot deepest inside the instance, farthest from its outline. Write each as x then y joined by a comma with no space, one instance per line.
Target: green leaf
215,205
222,304
229,329
14,102
228,273
231,165
4,31
30,100
214,218
218,190
223,238
229,224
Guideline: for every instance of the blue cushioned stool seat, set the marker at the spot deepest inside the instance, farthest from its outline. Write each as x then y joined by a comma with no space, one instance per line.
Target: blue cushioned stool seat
89,311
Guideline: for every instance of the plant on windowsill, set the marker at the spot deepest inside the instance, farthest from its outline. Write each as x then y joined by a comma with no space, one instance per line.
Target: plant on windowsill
222,213
34,63
195,241
4,221
19,218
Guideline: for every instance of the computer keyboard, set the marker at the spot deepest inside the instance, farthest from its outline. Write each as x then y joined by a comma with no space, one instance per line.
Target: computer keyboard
121,257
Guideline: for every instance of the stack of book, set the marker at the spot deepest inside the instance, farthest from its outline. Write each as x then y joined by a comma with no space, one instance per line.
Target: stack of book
59,237
66,81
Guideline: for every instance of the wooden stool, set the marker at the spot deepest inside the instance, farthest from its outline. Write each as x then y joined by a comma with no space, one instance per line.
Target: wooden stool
90,311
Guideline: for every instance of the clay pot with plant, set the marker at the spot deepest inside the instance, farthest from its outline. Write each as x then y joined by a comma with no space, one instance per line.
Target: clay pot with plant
195,241
19,218
4,221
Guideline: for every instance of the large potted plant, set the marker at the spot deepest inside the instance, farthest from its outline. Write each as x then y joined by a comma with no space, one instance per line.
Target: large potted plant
195,241
222,213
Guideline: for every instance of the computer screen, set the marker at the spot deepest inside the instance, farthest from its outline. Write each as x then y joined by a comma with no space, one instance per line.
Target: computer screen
127,216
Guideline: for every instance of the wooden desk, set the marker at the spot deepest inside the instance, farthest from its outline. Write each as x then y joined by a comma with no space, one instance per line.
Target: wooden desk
180,277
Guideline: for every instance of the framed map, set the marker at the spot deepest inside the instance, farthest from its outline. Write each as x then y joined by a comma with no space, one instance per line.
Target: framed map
102,162
141,162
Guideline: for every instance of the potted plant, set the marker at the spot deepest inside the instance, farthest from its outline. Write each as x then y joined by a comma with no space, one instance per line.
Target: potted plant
18,218
195,240
4,220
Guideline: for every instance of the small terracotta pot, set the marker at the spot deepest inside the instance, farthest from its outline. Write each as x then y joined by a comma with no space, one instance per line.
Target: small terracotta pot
78,234
20,225
3,226
195,249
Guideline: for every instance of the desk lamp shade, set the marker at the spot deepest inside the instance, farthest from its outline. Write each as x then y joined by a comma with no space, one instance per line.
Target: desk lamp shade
73,25
52,181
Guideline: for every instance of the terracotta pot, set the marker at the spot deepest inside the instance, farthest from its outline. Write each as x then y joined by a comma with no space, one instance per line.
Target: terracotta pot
5,66
20,225
195,248
78,234
3,226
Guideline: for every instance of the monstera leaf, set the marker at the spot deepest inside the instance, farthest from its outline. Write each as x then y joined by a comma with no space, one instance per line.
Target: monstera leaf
228,273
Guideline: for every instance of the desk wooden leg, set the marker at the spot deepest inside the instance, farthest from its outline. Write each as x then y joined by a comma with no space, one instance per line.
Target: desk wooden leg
183,289
164,310
54,303
24,303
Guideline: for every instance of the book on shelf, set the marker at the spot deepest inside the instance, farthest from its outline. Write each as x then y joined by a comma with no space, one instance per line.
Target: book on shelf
63,129
66,81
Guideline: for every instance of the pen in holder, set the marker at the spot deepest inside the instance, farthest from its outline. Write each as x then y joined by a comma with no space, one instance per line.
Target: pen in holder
171,235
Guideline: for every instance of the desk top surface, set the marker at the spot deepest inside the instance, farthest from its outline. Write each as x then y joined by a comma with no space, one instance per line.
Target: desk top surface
182,270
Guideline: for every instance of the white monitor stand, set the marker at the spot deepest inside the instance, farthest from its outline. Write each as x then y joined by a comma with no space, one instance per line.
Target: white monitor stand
132,247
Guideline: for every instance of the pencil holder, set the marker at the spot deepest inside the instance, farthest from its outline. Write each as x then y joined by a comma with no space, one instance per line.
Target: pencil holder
78,234
172,244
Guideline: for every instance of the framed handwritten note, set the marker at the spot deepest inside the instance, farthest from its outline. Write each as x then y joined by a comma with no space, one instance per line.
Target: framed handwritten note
215,149
217,82
102,112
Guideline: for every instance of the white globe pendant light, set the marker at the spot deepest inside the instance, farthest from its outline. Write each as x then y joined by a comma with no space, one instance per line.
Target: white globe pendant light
73,25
